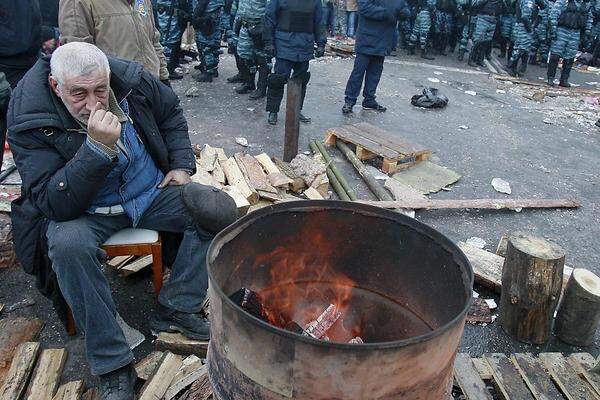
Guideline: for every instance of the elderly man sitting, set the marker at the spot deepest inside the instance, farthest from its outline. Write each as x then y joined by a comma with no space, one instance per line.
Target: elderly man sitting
102,145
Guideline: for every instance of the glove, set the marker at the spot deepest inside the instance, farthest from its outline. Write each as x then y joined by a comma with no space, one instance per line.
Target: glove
320,51
269,49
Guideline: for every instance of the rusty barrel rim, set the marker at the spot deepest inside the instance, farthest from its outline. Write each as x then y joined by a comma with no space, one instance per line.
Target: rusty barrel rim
457,254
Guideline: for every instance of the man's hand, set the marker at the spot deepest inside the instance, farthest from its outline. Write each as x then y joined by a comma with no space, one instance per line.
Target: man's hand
104,126
176,177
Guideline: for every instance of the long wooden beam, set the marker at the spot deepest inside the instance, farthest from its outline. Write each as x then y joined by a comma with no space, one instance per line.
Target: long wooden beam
481,204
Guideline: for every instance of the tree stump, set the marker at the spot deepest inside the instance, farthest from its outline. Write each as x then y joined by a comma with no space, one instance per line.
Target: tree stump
531,282
579,312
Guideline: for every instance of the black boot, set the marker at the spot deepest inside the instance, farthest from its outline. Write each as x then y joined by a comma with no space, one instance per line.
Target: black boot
533,59
523,67
203,77
118,385
552,66
347,109
305,78
443,44
488,51
237,78
425,55
474,55
192,326
512,66
483,50
247,78
566,71
502,53
275,88
510,50
461,55
261,86
173,63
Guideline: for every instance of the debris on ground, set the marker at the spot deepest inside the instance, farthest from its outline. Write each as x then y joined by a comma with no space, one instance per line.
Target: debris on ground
501,186
193,91
471,92
431,98
242,141
427,177
479,313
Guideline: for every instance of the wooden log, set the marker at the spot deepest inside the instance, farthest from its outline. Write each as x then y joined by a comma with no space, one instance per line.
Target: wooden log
148,365
136,266
200,390
204,178
13,332
267,164
275,177
566,377
158,383
179,344
20,370
297,184
531,283
371,182
477,204
235,177
534,374
469,379
221,156
321,184
279,180
486,266
218,174
312,194
578,315
253,172
335,172
241,202
190,371
208,158
292,119
46,376
69,391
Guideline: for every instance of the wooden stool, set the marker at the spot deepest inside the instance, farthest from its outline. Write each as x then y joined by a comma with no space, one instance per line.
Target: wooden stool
132,242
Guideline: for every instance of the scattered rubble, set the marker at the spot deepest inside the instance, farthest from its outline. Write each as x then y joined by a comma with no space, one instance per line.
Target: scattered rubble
501,186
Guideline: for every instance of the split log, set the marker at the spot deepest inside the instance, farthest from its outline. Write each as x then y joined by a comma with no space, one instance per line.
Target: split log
267,164
69,391
204,178
208,158
312,194
179,344
502,244
371,182
253,172
218,174
276,178
190,371
482,204
236,178
307,168
297,184
158,383
221,156
531,283
13,332
200,390
321,184
578,315
20,370
136,266
47,374
319,327
148,365
241,202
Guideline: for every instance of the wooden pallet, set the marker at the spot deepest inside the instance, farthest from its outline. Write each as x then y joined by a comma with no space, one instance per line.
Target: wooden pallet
371,142
522,376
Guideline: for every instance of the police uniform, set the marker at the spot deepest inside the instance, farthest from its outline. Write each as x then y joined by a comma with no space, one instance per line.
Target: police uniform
172,17
292,27
567,19
485,26
443,23
507,22
422,26
206,19
522,35
540,36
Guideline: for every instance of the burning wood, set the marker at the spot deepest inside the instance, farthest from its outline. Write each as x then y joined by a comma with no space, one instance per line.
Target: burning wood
252,303
319,327
357,339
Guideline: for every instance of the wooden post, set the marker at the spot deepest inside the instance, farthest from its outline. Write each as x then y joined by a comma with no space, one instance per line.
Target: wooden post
531,282
292,119
579,312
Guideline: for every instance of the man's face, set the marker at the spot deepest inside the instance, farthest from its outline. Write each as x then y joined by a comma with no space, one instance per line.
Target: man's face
81,93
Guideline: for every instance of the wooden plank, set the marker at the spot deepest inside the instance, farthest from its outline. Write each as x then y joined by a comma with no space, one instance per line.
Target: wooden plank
478,204
507,378
13,332
534,374
313,194
203,177
179,344
148,365
118,261
297,182
221,156
190,371
268,165
20,370
469,380
236,178
208,158
241,202
566,377
483,368
136,266
254,173
583,362
218,174
158,383
395,142
46,376
69,391
487,266
293,105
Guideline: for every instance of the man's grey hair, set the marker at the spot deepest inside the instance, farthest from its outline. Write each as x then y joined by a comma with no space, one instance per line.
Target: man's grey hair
77,59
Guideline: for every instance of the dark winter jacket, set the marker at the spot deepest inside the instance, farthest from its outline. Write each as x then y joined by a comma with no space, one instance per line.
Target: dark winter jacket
376,24
60,176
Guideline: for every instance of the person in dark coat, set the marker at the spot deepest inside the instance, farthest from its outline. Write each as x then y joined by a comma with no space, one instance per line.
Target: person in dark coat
377,20
102,145
292,28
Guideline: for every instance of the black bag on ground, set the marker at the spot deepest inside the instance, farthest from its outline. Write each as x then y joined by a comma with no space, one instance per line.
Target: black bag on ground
431,98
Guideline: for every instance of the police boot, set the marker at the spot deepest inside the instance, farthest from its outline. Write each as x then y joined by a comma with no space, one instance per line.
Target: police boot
247,78
261,86
237,78
461,55
533,59
552,66
275,88
425,55
443,45
488,51
474,55
566,71
502,53
411,50
512,66
305,78
174,63
482,52
523,68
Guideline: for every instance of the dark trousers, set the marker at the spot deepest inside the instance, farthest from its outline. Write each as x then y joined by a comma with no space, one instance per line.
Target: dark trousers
13,76
285,67
369,69
74,249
